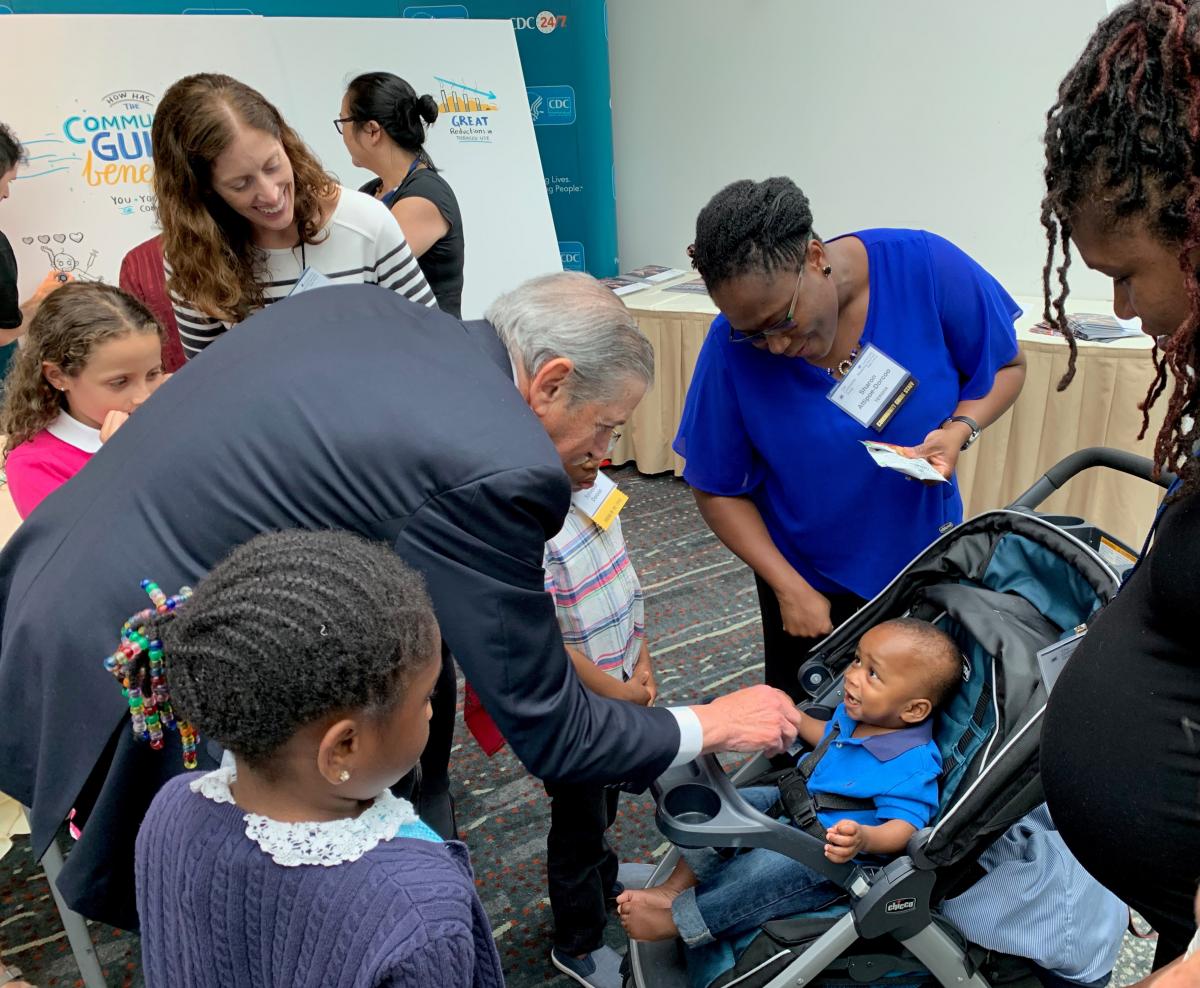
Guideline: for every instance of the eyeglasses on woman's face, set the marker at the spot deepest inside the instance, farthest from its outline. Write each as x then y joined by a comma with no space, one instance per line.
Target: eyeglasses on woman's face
788,321
340,122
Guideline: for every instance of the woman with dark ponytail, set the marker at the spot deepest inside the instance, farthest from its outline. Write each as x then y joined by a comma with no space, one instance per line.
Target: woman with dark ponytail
382,123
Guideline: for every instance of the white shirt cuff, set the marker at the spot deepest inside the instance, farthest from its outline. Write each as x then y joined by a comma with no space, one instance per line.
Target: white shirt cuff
691,735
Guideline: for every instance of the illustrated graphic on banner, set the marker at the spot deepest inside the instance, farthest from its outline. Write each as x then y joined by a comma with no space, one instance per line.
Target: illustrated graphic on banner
61,255
470,110
115,142
564,54
551,106
91,168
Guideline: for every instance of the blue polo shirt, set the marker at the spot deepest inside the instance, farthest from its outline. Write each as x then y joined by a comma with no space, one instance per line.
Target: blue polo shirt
762,426
899,771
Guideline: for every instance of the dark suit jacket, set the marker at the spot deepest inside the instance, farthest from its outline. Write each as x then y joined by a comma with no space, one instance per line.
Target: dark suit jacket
344,408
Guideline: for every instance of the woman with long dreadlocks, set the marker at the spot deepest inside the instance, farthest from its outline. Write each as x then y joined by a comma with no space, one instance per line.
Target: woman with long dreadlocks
1123,192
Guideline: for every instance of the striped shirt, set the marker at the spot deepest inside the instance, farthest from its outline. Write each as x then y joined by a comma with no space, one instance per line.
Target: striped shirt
362,242
1036,901
596,593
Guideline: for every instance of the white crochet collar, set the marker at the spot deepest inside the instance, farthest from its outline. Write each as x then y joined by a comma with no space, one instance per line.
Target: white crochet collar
329,843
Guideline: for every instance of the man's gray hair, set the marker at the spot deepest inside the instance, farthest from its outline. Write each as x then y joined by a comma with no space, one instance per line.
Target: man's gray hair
570,314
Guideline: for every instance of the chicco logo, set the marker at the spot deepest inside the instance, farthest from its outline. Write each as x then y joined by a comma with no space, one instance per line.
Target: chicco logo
900,905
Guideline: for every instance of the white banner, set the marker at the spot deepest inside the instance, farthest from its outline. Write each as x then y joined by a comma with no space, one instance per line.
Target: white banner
86,197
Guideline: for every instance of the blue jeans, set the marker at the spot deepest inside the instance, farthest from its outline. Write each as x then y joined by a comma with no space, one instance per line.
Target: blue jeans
738,894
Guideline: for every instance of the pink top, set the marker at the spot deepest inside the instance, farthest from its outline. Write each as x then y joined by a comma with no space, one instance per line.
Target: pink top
48,460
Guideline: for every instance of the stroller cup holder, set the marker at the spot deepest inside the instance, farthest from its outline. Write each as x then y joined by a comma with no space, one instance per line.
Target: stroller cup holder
697,806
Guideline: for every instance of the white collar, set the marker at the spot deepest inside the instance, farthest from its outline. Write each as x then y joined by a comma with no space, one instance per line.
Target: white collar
74,433
332,842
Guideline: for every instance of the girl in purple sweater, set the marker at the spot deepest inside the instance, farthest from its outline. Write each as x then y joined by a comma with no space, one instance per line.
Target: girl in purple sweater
311,657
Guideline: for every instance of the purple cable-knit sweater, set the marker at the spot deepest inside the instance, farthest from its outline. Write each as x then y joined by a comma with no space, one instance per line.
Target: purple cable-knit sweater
217,912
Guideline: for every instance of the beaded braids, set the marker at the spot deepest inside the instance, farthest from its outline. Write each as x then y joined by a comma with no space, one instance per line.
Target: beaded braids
289,628
752,226
1124,131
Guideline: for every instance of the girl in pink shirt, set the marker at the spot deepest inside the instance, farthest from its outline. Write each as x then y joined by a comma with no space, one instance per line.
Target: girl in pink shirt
91,356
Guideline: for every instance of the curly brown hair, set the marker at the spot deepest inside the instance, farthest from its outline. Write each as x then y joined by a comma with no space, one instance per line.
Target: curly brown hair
208,246
70,323
1125,131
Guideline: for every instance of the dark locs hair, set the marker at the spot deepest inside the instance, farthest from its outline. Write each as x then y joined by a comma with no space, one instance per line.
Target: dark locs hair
1124,131
752,226
289,628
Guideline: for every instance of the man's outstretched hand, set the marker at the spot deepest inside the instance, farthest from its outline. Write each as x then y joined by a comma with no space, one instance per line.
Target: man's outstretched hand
758,718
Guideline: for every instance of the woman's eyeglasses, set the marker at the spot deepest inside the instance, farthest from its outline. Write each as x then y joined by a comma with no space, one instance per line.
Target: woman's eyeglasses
788,321
340,122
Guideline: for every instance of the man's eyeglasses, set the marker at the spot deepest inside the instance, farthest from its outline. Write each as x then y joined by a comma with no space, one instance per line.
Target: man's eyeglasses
614,437
788,321
340,121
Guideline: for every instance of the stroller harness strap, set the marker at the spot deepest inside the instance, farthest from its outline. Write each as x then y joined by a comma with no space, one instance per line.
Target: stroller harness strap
802,806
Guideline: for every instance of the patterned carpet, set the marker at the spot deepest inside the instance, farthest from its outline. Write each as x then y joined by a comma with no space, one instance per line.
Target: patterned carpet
702,619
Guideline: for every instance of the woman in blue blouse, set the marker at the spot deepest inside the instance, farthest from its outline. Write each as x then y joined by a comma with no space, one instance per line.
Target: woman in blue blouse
777,468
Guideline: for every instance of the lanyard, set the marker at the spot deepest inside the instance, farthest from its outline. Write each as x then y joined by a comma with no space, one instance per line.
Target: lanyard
389,198
1175,485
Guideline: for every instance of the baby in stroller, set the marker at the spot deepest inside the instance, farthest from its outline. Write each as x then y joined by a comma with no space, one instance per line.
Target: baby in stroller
869,784
1005,586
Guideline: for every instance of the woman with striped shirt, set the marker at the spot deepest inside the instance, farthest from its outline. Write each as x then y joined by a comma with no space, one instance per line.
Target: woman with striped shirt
245,208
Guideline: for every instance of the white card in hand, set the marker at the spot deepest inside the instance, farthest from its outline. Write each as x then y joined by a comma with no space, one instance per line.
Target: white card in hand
889,456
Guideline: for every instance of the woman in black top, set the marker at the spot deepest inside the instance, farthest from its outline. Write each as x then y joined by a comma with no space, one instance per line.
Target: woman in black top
1121,740
382,123
14,314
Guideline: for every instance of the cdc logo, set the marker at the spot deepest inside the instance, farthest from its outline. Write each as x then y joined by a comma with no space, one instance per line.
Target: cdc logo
551,106
571,252
544,21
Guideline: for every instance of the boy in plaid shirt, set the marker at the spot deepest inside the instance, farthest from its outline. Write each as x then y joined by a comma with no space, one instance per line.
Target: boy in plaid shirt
600,610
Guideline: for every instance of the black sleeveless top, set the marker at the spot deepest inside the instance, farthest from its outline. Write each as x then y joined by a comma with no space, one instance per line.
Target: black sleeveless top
1121,739
443,262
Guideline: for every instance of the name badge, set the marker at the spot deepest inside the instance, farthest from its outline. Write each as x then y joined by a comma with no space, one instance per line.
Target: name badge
873,389
1053,658
309,279
601,502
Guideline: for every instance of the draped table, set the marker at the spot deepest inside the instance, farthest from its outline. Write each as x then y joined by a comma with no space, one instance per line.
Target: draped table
1099,409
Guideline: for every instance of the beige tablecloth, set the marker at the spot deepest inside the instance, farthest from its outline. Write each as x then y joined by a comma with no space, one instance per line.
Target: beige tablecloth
1099,409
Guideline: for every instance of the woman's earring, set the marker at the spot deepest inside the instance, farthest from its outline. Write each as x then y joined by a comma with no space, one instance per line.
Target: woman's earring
343,776
827,270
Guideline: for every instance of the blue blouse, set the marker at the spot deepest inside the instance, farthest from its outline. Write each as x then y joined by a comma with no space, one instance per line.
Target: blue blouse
762,426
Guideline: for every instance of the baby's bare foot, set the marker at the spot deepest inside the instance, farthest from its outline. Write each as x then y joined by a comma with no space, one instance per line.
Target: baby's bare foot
646,913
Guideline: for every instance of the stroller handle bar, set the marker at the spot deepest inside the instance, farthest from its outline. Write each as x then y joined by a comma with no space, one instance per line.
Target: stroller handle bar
1086,459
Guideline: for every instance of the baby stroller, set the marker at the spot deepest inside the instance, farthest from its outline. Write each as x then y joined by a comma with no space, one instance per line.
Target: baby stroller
1005,585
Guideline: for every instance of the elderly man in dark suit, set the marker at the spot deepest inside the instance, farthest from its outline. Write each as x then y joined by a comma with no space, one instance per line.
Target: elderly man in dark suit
343,408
